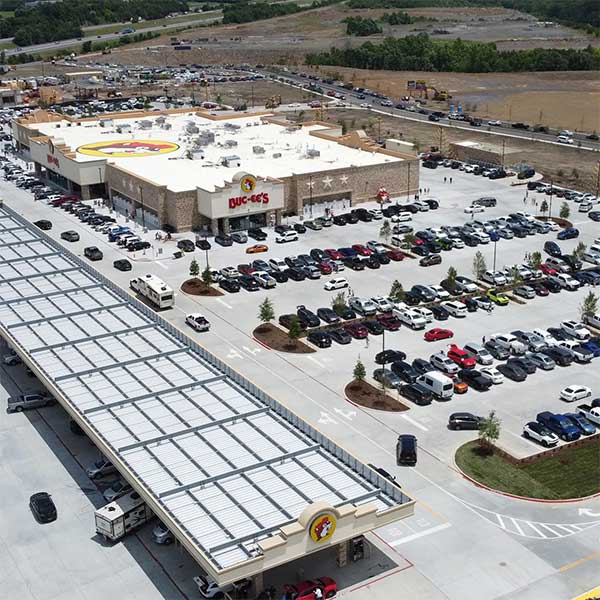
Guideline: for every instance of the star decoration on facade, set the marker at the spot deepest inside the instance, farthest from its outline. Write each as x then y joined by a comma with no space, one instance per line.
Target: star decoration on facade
344,179
327,182
310,184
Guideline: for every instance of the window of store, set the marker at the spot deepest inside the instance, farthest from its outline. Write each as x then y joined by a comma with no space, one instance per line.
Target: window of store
247,222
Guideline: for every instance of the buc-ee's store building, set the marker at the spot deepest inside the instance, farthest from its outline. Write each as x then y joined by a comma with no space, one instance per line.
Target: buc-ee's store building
195,170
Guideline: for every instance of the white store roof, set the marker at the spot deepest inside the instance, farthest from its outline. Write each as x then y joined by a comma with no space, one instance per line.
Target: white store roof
179,173
228,468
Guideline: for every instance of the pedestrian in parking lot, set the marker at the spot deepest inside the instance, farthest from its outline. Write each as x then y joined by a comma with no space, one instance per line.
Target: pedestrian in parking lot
444,180
483,339
367,342
450,179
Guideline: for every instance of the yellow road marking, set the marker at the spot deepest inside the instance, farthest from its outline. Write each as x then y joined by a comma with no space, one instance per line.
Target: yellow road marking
580,561
589,595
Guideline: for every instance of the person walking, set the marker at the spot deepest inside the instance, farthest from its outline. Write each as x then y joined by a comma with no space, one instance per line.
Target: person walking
367,342
450,179
483,339
444,179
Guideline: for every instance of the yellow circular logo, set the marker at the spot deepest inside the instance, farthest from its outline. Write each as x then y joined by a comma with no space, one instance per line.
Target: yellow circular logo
128,148
247,184
322,527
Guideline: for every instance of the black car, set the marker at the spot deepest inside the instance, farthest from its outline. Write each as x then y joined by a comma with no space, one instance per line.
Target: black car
346,312
421,366
496,350
43,507
308,317
423,293
433,204
552,248
186,245
279,229
512,371
257,234
294,262
388,356
350,218
411,299
429,164
287,319
464,420
70,236
381,257
411,208
374,327
43,224
354,263
551,285
321,339
203,244
340,336
475,379
432,259
421,250
299,228
278,276
405,371
93,253
417,394
122,264
558,334
561,356
339,220
230,284
371,262
572,262
524,363
328,315
224,240
318,255
594,215
295,274
471,304
138,245
248,283
406,447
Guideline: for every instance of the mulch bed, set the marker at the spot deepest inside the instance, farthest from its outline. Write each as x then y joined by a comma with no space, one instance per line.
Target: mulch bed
196,287
368,396
277,339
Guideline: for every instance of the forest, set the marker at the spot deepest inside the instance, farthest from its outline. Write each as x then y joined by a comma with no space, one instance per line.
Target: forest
421,53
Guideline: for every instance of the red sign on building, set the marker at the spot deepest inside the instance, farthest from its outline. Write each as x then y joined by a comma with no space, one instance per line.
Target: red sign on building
262,198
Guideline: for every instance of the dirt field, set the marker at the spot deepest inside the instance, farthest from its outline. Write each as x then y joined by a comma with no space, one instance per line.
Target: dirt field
556,162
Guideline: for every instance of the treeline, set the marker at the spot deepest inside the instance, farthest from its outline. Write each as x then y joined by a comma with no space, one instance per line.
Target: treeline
52,21
361,27
398,18
243,12
420,53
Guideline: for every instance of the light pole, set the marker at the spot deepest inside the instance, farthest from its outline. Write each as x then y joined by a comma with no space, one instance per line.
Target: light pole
494,267
310,186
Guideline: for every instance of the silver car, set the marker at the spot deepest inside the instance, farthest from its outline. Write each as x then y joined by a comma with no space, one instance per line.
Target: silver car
239,236
161,535
541,361
29,401
116,490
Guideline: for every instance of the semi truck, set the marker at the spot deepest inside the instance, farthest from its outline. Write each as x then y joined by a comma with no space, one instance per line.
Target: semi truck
118,518
154,289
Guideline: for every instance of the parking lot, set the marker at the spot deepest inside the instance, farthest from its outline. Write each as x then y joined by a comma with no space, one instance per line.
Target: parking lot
233,317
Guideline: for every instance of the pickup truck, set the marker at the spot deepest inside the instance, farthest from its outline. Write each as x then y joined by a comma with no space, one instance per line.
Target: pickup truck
590,413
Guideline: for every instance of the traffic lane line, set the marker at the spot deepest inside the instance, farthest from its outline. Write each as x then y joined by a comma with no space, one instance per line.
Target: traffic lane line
420,534
580,561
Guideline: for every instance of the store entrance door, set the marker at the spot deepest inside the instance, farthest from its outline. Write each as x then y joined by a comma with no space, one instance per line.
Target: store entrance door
247,222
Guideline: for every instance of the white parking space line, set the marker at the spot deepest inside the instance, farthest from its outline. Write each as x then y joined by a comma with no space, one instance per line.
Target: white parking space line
548,528
420,534
161,264
317,362
220,301
540,533
415,423
515,522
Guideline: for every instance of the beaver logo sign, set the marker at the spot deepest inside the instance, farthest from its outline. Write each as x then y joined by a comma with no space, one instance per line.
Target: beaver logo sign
322,527
247,184
127,148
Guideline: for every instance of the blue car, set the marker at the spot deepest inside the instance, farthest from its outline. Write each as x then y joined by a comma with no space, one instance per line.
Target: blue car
494,237
585,277
347,252
593,346
585,427
559,425
568,233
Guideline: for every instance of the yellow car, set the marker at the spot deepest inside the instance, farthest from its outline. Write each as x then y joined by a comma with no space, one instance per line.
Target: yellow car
497,297
257,248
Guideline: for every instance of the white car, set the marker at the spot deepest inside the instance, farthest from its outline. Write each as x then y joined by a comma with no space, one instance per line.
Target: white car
421,205
493,374
209,589
494,277
197,322
469,168
510,343
375,213
382,304
375,246
229,272
493,123
265,280
563,139
338,283
536,431
591,257
575,392
593,320
470,210
440,291
548,338
576,330
401,216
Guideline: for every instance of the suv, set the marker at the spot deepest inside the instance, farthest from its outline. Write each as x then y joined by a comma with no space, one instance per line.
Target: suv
406,450
307,317
416,393
28,401
461,357
441,362
539,433
93,253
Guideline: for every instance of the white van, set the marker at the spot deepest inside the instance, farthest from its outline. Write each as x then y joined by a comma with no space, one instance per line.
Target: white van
456,309
277,264
286,236
423,312
438,384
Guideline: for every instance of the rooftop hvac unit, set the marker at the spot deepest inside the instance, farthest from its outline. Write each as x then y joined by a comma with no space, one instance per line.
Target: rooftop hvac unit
167,126
232,126
191,128
106,123
230,161
145,124
197,154
230,143
258,150
313,153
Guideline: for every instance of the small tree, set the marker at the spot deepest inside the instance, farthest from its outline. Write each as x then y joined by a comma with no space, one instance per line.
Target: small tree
565,211
409,239
295,331
207,277
385,231
451,276
194,268
266,313
544,207
359,372
535,260
589,306
579,251
489,431
397,293
338,303
479,265
516,277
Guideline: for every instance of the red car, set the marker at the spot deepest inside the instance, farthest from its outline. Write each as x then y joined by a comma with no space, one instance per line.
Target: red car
389,322
305,590
357,330
245,269
438,334
460,357
361,250
396,255
334,254
547,269
325,268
